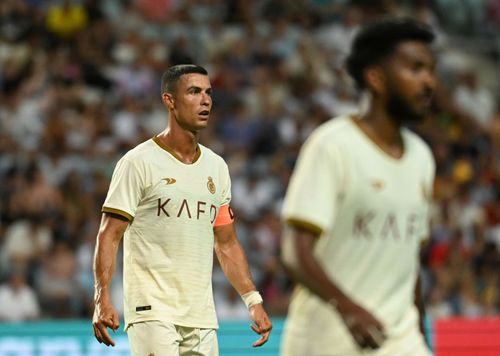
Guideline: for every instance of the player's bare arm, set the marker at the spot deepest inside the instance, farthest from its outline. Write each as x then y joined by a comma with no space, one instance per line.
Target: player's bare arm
420,305
235,266
298,257
108,239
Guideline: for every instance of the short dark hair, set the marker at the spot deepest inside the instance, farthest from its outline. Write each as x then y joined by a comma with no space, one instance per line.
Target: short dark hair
377,40
171,76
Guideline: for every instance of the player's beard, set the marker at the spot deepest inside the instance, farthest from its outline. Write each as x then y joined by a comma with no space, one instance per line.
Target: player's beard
398,108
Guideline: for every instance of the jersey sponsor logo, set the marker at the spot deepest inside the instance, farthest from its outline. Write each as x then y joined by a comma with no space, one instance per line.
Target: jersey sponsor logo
211,185
191,210
377,184
169,180
370,225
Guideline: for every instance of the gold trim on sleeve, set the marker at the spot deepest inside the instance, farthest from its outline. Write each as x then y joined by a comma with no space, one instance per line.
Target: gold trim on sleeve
305,225
117,212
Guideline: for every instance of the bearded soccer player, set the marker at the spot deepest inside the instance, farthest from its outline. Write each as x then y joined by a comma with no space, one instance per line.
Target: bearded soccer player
169,199
357,206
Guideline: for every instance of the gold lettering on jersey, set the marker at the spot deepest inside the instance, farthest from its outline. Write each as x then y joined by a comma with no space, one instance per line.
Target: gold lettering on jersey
199,210
361,223
185,209
184,204
371,225
213,213
211,185
169,180
390,227
411,221
161,207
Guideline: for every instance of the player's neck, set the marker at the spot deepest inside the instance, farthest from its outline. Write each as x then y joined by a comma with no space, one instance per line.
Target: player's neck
384,130
184,144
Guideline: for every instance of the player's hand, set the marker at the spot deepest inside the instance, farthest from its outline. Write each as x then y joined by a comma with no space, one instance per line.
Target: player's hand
105,316
364,327
261,324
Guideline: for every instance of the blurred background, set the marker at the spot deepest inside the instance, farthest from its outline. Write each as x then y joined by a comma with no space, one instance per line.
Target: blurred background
80,85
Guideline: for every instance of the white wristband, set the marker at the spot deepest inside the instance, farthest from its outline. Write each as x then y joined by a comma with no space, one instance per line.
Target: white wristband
252,298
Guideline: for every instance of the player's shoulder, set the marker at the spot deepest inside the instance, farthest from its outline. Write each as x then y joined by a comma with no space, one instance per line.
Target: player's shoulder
334,132
140,152
211,155
417,144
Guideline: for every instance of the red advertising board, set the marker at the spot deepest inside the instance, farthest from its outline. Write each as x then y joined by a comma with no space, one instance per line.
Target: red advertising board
467,337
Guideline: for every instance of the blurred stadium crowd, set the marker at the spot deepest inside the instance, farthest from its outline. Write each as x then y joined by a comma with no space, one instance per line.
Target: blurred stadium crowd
80,85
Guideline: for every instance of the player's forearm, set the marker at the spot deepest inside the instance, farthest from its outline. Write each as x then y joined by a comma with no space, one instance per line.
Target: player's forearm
104,266
235,266
108,240
305,269
315,279
420,305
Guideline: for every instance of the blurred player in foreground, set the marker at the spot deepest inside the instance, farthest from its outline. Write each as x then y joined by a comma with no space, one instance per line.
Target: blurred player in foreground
357,206
169,197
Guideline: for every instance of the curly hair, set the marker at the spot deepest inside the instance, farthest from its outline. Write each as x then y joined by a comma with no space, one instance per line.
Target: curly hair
378,39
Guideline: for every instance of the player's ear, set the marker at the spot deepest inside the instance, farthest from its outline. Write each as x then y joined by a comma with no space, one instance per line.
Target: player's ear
375,79
168,100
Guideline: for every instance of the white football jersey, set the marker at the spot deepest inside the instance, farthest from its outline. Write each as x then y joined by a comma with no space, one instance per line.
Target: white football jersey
371,211
168,245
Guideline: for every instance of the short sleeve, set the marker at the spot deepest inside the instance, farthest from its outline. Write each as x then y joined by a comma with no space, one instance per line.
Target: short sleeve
226,185
313,192
125,190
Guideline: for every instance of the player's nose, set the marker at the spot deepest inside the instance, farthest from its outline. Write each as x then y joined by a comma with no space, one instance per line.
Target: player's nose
429,80
206,100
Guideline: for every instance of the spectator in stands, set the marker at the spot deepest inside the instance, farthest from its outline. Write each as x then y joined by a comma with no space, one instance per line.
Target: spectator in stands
67,19
18,301
56,283
474,99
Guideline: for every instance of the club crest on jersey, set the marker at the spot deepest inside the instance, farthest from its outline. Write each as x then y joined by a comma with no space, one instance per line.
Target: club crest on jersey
211,185
169,180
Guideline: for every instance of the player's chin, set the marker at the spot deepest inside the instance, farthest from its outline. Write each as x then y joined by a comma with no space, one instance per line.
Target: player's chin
203,123
424,108
420,113
417,119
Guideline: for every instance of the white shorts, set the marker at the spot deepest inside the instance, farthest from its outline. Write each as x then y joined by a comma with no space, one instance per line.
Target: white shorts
157,338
